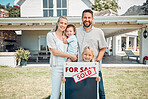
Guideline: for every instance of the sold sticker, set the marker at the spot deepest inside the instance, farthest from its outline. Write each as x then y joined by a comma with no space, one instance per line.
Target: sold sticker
85,74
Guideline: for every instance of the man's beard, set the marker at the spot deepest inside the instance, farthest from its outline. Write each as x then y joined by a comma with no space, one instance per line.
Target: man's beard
87,25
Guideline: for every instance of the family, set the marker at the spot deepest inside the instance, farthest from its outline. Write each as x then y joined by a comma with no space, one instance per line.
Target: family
85,43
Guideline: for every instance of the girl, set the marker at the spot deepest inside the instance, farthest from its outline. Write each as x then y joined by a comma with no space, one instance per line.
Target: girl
58,55
71,40
87,56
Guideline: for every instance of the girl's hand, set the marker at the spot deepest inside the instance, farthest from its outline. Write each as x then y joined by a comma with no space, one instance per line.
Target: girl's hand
63,79
98,79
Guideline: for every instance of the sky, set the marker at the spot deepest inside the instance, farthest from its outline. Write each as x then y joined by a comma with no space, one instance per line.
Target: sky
124,4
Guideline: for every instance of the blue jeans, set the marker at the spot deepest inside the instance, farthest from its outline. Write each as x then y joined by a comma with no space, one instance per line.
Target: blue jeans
101,87
57,72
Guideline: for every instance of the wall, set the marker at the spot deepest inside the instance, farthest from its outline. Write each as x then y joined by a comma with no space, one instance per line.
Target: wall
30,39
7,59
75,7
32,8
143,46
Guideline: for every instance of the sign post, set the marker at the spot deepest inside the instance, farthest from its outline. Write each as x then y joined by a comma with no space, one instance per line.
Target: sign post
80,80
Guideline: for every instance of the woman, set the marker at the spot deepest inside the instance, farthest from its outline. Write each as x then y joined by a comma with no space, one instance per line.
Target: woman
58,55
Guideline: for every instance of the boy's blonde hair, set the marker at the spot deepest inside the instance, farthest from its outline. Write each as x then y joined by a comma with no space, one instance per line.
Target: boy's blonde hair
92,51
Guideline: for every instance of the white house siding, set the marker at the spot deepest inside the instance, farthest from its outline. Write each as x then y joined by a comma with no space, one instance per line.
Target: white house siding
143,46
30,39
32,8
75,7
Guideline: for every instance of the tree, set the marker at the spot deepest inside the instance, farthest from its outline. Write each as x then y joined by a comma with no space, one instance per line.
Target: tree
144,7
101,5
13,11
2,6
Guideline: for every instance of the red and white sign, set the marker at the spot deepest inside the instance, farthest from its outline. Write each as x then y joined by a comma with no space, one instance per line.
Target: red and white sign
85,74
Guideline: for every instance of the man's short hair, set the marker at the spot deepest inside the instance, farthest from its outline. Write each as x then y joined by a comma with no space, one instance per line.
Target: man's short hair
87,10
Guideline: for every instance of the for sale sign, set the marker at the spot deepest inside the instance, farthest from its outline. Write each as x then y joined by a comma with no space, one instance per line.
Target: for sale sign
80,80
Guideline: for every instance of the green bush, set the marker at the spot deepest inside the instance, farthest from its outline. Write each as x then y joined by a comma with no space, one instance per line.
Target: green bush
22,55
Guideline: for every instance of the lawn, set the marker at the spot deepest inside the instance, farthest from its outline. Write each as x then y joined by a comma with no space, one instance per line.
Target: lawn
35,83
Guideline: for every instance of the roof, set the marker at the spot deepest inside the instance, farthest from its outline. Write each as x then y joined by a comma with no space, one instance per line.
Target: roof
108,12
111,25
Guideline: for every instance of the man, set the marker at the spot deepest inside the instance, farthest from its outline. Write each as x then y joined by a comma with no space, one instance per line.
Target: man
88,35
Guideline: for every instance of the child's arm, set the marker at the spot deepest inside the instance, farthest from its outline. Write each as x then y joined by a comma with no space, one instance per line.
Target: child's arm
63,79
98,79
65,40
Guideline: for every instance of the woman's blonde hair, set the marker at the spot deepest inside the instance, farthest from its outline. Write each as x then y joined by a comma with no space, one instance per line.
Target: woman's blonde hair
90,49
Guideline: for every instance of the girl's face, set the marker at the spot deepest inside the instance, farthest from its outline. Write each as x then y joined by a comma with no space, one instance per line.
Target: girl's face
70,31
87,56
62,24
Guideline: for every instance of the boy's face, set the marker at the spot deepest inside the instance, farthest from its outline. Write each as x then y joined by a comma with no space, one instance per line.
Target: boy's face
70,31
87,56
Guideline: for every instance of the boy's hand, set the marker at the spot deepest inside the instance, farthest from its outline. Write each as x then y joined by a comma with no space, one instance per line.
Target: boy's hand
98,79
63,79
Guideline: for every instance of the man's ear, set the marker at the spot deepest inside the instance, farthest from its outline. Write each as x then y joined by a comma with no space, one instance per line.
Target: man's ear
92,18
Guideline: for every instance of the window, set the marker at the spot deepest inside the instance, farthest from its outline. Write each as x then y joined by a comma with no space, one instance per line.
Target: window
47,8
42,43
60,8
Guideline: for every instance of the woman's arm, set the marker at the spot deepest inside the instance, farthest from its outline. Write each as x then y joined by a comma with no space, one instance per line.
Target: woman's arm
62,54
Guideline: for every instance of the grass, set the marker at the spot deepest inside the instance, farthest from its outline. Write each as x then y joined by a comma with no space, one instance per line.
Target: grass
35,83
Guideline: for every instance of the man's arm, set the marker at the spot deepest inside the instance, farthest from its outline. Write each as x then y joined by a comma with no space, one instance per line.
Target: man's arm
100,54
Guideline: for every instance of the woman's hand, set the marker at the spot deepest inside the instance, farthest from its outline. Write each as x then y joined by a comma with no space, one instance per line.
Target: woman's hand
98,79
63,79
73,57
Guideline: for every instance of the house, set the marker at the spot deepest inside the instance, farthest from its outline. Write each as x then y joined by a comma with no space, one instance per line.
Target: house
52,8
38,17
129,38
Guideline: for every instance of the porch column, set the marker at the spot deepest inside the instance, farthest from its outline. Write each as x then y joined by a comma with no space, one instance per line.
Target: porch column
135,43
109,42
114,45
143,45
127,42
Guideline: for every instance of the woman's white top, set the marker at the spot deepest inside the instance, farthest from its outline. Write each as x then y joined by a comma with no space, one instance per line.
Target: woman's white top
55,43
60,47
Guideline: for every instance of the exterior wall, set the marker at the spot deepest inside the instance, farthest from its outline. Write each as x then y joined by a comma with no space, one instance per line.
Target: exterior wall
30,39
32,8
75,7
7,59
143,46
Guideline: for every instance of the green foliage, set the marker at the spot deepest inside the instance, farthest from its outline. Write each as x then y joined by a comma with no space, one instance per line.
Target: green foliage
13,11
144,7
22,55
101,5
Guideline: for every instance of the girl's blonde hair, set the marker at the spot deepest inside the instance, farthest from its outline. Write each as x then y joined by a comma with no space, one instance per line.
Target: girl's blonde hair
90,49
